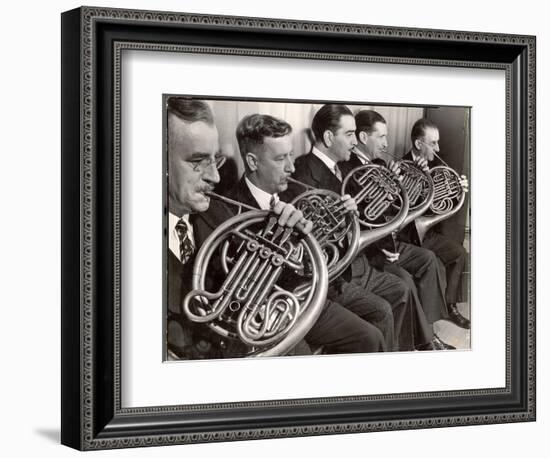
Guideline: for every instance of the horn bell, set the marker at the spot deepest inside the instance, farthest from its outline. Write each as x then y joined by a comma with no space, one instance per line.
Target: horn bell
448,199
381,198
336,229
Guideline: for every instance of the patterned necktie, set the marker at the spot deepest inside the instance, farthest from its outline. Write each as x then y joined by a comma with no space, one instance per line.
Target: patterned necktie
186,245
273,201
337,172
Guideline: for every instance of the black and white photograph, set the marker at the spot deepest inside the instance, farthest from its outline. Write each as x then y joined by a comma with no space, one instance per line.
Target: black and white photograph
311,228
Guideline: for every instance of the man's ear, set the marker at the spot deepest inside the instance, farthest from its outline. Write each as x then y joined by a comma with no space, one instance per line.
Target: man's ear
251,161
363,137
417,144
328,138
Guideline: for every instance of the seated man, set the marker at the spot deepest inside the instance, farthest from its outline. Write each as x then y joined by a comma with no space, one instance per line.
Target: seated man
425,145
193,159
334,129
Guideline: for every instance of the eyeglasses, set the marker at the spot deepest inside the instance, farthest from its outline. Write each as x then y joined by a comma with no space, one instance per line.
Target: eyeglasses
430,144
200,165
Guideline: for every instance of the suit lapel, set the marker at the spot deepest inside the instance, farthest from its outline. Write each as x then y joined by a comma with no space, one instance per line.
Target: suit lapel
204,223
408,156
244,195
322,175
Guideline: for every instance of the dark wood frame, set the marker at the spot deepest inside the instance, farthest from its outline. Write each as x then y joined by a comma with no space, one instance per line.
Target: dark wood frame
92,42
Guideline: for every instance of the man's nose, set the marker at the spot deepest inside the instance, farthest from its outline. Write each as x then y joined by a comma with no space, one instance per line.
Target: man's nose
211,174
436,148
354,140
289,166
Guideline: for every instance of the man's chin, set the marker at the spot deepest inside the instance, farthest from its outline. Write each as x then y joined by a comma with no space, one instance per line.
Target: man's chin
202,205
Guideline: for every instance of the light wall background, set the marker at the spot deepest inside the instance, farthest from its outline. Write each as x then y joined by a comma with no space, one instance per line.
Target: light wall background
228,114
30,229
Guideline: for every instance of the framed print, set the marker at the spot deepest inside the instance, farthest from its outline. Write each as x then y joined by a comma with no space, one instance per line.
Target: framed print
269,225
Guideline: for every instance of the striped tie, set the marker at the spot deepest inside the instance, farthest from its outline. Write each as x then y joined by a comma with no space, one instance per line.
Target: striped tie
186,245
273,201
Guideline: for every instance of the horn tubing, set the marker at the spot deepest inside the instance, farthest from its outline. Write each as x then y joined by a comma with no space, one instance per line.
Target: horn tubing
299,183
360,155
229,201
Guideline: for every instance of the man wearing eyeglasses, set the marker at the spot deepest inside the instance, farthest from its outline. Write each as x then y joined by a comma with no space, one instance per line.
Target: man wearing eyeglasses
193,161
425,146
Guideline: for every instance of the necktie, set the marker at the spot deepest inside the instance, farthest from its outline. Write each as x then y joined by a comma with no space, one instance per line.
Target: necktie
273,201
186,245
337,172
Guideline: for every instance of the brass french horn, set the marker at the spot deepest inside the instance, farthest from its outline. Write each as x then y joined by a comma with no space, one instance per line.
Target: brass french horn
333,226
381,198
262,298
420,189
447,200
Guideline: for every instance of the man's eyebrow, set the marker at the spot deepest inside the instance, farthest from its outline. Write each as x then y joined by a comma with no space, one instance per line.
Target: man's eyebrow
199,155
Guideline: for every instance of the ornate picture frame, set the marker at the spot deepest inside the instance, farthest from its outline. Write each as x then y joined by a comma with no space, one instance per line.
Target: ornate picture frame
93,40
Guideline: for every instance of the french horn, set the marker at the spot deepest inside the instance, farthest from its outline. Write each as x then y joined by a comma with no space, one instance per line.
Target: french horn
381,198
333,226
447,200
262,299
418,185
420,189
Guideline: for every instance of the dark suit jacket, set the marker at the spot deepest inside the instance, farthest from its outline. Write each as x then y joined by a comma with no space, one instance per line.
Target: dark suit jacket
179,284
241,193
312,171
347,166
373,251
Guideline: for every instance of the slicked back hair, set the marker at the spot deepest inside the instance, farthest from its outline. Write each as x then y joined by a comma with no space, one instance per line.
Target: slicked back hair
190,110
365,121
253,129
328,118
419,129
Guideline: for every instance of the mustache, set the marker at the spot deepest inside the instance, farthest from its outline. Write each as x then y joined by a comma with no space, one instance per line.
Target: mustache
205,189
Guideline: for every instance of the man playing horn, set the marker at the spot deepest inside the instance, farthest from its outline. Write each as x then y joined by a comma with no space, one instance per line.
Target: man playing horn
193,161
425,145
395,254
265,143
333,127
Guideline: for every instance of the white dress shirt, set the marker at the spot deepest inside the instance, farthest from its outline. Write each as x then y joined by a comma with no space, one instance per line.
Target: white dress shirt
361,159
173,238
263,198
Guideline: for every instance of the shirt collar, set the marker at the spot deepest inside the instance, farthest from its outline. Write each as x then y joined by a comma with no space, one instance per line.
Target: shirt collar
173,220
263,198
360,157
323,157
